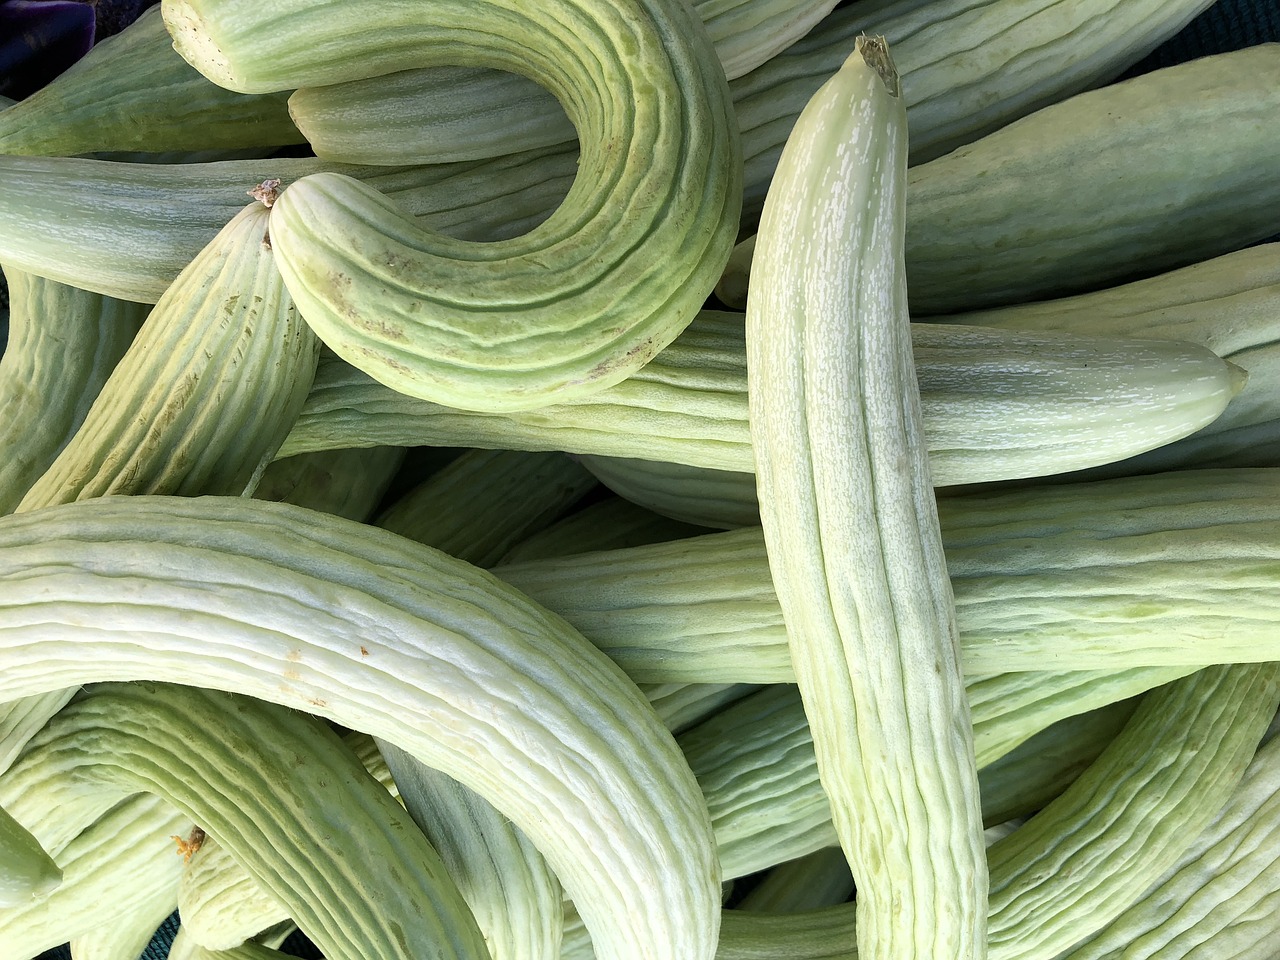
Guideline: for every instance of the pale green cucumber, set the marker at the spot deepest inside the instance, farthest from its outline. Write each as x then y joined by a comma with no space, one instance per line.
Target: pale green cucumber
133,92
485,502
818,879
1166,169
756,764
997,405
1219,899
1167,570
63,345
1089,854
278,789
207,391
469,113
1039,769
969,67
1152,763
1230,304
121,861
21,719
221,904
720,499
609,524
347,483
27,872
263,597
127,229
847,507
568,308
514,897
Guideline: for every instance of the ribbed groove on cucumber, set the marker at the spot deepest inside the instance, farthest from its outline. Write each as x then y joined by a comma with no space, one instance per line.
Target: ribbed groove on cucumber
1135,810
1111,575
63,345
993,404
278,789
133,92
570,307
270,592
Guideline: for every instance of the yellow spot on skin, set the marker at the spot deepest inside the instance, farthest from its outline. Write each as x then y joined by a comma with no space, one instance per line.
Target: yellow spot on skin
187,847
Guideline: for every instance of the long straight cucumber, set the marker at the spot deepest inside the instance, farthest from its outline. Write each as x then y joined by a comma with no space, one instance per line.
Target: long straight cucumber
133,92
996,405
1173,569
1166,169
848,513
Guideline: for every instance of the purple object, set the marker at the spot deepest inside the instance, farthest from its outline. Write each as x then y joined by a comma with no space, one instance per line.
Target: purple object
39,39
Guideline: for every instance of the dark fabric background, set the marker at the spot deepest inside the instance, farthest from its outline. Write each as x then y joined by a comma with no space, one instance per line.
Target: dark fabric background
1227,25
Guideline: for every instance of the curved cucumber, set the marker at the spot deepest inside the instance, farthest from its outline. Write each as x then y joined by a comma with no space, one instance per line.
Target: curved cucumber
574,305
380,634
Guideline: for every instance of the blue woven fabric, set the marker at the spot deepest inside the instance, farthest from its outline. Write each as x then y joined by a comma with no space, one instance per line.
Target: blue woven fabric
1227,25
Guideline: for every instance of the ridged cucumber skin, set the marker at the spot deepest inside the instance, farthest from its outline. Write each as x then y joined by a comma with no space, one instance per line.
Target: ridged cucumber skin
996,405
1168,774
969,67
565,310
1114,574
207,391
1222,893
133,92
849,519
756,765
63,345
279,789
1163,170
261,598
125,851
472,112
127,229
1112,834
